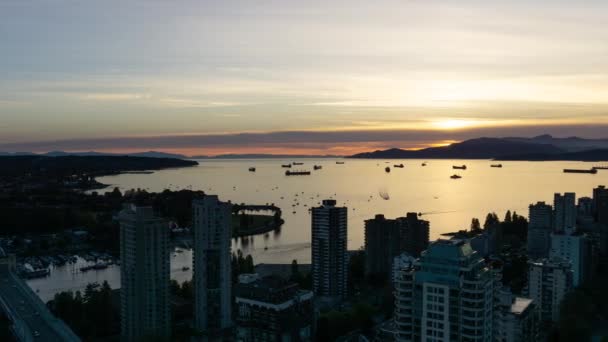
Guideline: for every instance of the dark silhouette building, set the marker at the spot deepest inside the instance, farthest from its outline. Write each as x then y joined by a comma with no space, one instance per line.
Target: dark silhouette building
382,245
329,254
272,309
414,234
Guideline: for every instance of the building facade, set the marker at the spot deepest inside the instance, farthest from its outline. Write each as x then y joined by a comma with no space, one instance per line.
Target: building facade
447,296
516,319
271,309
212,220
564,212
144,274
548,282
539,230
382,245
329,253
575,248
414,234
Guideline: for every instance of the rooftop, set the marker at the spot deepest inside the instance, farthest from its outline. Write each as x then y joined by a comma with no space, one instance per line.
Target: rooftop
520,304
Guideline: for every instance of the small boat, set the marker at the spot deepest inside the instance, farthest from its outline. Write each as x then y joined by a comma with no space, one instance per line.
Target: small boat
286,165
455,176
339,162
423,164
297,173
456,167
185,268
387,169
252,169
297,163
317,167
496,165
398,165
592,171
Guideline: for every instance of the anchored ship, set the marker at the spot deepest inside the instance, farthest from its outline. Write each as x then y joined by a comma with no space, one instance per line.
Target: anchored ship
592,171
297,173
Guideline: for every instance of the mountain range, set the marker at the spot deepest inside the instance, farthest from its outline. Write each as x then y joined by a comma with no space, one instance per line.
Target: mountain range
544,147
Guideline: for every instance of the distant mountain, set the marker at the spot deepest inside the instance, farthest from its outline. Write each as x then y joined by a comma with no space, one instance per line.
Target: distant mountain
263,156
148,154
480,148
570,144
590,155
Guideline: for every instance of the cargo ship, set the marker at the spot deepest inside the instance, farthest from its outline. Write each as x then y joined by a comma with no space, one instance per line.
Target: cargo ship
297,173
297,163
398,165
252,169
286,165
600,167
339,162
496,165
455,176
592,171
456,167
317,167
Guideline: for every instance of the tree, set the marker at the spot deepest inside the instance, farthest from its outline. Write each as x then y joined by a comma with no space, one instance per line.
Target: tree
475,225
491,220
294,268
508,216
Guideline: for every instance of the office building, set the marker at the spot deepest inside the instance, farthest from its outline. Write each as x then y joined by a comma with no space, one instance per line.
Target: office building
516,319
414,234
272,309
382,245
600,213
144,274
548,283
212,220
448,295
600,204
329,254
539,230
575,248
564,212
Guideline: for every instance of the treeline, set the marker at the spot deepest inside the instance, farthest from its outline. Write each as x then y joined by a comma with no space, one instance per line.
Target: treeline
91,315
59,167
582,312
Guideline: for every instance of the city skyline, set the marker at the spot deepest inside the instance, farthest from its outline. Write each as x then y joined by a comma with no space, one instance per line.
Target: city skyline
131,77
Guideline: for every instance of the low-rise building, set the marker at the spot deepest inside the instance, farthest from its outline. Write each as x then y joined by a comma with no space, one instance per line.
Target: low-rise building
548,283
517,318
272,309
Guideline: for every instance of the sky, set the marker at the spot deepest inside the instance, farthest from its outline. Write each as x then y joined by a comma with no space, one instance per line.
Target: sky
302,77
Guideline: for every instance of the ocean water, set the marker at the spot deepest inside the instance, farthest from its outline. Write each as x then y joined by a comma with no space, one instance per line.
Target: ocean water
449,204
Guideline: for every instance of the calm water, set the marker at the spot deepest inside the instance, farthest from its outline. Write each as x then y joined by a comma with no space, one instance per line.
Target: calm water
448,204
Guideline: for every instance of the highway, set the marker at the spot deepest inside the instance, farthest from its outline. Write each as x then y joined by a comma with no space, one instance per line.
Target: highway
31,317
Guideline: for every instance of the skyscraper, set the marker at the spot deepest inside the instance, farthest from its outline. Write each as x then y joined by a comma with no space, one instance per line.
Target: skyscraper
600,204
564,212
212,220
414,234
382,245
447,296
575,248
329,254
548,283
600,212
144,274
539,230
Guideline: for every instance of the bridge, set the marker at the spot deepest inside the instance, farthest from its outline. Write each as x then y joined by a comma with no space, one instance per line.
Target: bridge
31,320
